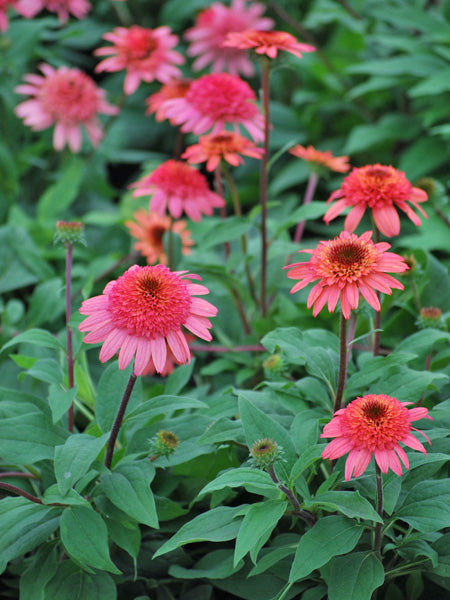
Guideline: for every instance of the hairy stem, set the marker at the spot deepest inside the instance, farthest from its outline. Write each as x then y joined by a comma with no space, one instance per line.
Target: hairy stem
118,420
342,363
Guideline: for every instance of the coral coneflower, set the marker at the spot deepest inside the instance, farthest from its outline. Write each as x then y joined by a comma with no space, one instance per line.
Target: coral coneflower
373,425
145,54
214,101
142,313
149,229
382,189
266,42
63,8
179,187
66,98
346,267
177,88
226,145
319,158
211,29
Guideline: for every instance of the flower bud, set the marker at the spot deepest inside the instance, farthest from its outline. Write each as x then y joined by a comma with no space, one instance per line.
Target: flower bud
265,452
69,232
164,443
430,316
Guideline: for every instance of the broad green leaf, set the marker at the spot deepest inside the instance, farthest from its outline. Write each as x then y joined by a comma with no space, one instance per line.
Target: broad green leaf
355,576
258,524
307,458
46,302
85,538
60,399
258,425
271,558
128,488
329,537
216,525
426,507
47,370
110,390
125,535
74,458
305,429
71,583
422,342
162,405
217,564
28,438
253,480
52,495
351,504
224,231
37,337
42,568
61,194
179,378
223,430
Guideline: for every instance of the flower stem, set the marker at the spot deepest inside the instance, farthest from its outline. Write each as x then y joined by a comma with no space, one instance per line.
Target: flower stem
223,211
118,421
376,335
265,71
19,492
342,363
70,365
298,512
309,195
378,526
17,474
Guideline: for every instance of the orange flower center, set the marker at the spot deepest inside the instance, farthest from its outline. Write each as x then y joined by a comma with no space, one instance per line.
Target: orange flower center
345,260
376,422
149,301
69,96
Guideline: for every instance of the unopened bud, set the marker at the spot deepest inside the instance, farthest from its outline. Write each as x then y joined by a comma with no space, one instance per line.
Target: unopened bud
164,443
265,452
430,316
69,232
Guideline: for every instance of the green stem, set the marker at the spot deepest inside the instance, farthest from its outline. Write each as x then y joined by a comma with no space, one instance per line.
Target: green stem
309,195
342,363
118,421
265,73
223,211
378,526
70,364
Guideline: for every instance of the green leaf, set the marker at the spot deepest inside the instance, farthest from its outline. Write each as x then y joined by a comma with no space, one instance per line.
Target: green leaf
224,231
162,405
28,438
60,400
85,538
305,429
216,525
125,535
23,526
38,337
61,194
223,430
52,495
46,302
258,524
355,576
74,458
110,391
329,537
258,425
70,583
426,507
42,568
47,370
307,458
351,504
271,558
179,378
253,480
217,564
128,488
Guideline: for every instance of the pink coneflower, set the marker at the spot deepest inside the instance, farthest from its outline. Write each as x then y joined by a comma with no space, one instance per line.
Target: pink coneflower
211,29
180,188
318,158
373,425
347,266
266,42
141,314
171,361
214,101
145,54
177,88
66,98
226,145
149,229
63,8
381,188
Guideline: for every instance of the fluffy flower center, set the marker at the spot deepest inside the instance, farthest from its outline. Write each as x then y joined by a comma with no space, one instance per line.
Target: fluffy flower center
176,178
345,259
138,45
376,422
69,96
149,301
221,96
376,186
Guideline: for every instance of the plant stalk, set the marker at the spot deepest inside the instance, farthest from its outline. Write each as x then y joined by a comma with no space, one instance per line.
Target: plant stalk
378,526
118,420
309,195
265,73
342,363
70,363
